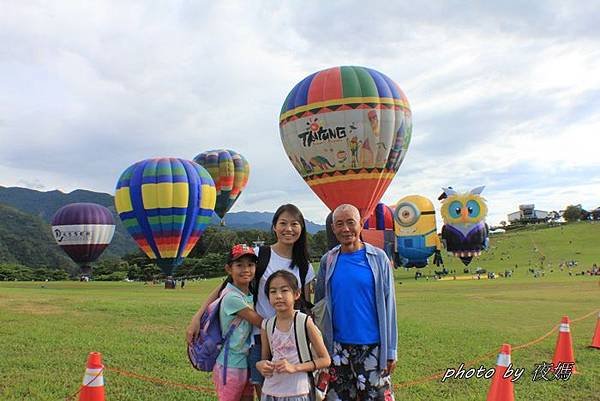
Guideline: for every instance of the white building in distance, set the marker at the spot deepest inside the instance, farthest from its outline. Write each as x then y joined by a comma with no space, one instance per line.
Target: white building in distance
527,214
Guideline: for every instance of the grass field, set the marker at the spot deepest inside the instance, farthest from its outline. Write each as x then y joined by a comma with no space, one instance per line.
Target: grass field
47,329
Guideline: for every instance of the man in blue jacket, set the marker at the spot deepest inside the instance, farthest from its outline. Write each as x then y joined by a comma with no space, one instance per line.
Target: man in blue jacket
359,322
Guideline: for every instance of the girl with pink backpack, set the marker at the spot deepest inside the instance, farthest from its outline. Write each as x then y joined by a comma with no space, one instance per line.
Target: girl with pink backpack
289,252
236,318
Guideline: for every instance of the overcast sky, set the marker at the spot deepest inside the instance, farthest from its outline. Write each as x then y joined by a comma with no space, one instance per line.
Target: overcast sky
503,94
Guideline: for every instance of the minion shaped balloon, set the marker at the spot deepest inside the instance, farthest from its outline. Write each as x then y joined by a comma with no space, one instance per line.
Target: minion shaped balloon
465,233
416,232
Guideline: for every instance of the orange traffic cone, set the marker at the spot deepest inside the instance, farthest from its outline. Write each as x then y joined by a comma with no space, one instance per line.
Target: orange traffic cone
502,388
93,382
596,339
564,345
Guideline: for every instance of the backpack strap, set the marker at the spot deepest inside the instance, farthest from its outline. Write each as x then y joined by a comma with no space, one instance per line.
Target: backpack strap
227,280
303,274
264,255
232,326
301,337
226,337
270,328
303,346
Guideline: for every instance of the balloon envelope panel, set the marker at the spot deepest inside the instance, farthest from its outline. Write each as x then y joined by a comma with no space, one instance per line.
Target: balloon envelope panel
165,204
346,131
230,171
382,218
83,230
378,229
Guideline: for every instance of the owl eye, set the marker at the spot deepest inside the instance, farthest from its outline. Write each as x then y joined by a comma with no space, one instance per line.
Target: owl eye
473,208
454,209
407,214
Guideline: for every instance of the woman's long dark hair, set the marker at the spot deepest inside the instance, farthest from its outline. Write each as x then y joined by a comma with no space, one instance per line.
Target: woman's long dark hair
300,256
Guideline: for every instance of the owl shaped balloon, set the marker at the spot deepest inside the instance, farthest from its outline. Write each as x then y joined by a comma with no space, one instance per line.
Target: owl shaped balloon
465,233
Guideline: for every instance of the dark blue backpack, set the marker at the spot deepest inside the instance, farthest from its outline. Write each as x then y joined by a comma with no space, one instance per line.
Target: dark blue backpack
205,348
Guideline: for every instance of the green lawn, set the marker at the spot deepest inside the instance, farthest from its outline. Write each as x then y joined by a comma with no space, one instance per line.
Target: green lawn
47,329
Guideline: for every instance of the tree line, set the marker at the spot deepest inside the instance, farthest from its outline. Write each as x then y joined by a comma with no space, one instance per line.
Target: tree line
574,213
207,259
571,214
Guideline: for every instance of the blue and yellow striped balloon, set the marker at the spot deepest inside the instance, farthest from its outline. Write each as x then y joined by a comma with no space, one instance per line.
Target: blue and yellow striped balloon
165,204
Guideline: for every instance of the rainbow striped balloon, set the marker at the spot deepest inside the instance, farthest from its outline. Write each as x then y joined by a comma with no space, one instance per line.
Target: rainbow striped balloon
230,172
165,204
346,130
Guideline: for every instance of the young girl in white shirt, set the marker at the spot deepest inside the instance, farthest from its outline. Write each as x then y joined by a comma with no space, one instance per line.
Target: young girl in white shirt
286,378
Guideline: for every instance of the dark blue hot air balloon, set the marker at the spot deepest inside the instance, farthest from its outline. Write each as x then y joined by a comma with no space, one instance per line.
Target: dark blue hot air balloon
83,231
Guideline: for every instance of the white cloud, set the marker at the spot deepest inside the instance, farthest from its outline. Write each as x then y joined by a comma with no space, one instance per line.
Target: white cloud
500,92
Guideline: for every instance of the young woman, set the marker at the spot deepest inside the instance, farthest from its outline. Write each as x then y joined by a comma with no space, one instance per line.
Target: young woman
285,375
289,252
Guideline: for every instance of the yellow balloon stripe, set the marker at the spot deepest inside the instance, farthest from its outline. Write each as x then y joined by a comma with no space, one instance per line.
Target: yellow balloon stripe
347,100
187,250
123,200
349,177
169,251
147,250
165,195
208,197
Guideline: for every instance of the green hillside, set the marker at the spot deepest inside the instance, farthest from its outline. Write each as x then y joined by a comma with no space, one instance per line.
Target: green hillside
536,247
27,240
547,247
45,204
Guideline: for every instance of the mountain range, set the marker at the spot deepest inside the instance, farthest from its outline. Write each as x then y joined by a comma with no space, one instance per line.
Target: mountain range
26,238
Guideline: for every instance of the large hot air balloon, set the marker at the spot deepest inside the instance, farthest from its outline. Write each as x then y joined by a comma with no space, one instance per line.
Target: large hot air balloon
416,231
229,170
378,230
346,131
83,231
465,233
165,204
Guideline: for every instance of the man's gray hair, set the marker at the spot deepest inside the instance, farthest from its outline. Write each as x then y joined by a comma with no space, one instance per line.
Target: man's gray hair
346,207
